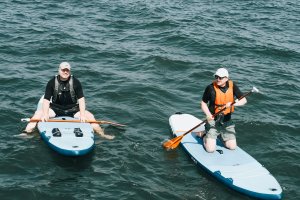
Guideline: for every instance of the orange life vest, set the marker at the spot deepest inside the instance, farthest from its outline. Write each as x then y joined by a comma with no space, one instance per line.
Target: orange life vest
223,98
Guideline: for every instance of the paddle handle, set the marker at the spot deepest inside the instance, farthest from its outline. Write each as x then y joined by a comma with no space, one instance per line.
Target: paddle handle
72,121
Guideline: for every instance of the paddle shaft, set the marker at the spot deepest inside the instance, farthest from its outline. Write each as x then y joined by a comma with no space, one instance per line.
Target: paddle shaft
177,140
76,121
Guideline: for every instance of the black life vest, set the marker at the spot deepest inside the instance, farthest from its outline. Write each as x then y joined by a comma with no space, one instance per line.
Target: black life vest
59,88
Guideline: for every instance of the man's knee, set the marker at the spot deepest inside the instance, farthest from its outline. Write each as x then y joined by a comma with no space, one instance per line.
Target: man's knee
209,144
89,115
231,144
38,114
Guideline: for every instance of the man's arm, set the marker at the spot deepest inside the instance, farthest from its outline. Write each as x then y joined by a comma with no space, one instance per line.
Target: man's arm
45,107
237,92
205,109
241,102
81,103
207,95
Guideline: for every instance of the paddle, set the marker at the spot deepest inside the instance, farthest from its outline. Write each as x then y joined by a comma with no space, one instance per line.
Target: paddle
173,143
62,120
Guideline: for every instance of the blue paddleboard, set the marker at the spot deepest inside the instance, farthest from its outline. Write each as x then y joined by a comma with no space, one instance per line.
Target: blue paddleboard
234,168
67,138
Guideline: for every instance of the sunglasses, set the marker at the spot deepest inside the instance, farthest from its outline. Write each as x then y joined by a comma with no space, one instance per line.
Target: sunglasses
65,70
218,77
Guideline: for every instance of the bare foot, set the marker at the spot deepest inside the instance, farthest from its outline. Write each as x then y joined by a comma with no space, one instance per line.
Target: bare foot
25,134
200,134
28,132
108,137
103,135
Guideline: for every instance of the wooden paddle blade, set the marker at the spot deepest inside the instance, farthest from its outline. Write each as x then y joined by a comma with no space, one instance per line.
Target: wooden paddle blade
173,143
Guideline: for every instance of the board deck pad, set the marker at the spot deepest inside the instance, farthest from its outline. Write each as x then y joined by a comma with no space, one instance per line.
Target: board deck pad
235,168
67,138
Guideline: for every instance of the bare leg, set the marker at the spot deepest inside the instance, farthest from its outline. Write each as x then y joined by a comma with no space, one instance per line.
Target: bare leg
200,134
210,139
96,127
230,144
229,138
31,125
37,115
210,144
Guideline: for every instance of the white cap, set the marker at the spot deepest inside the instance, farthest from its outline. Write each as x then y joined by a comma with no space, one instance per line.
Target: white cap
222,72
65,65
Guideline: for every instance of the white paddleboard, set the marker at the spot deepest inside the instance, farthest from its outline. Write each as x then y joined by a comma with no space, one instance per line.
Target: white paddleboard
234,168
67,138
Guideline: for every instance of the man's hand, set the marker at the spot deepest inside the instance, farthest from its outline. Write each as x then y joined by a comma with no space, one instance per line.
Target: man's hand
210,120
228,105
45,118
209,117
82,118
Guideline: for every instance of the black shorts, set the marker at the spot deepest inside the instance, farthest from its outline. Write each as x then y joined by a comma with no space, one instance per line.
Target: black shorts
59,111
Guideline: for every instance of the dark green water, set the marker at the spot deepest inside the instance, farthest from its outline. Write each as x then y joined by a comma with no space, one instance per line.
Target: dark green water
140,62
